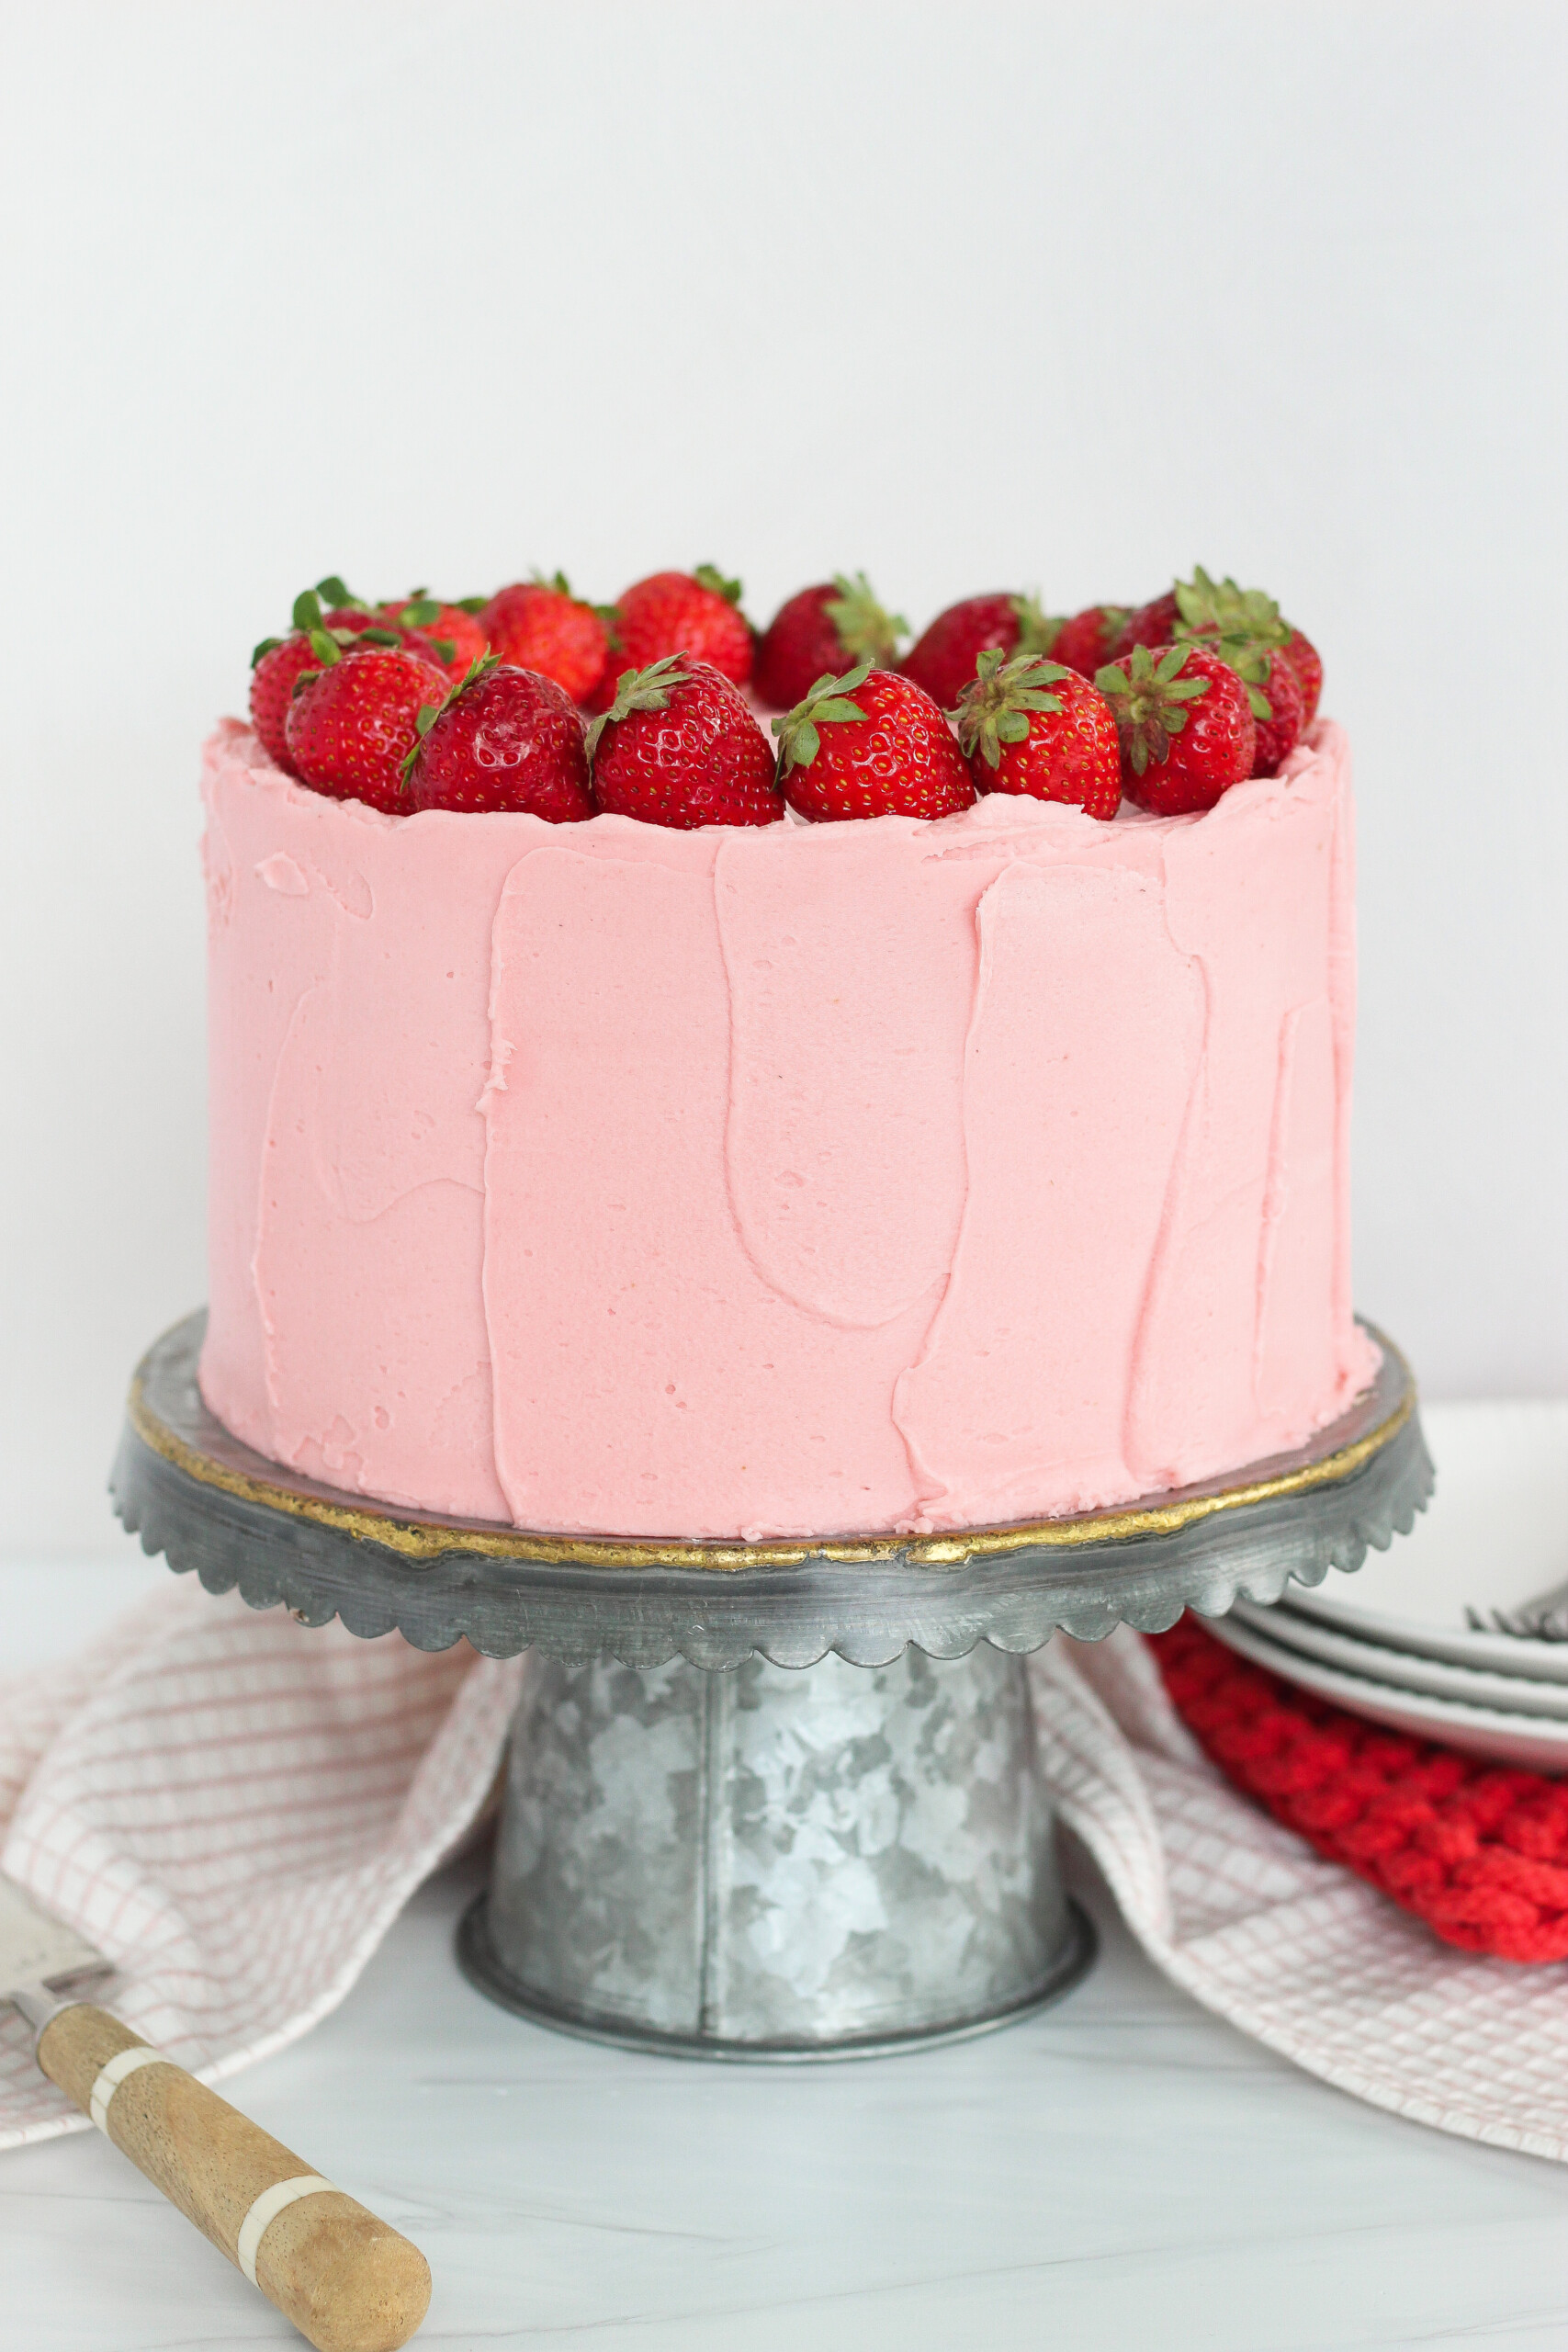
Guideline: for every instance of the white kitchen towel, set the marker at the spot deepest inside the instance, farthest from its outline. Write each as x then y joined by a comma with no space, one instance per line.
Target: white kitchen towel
234,1807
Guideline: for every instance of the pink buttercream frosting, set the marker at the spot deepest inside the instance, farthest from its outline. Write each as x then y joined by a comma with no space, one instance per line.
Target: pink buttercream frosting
806,1180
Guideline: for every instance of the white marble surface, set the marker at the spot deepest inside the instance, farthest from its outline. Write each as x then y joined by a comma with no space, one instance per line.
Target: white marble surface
1122,2171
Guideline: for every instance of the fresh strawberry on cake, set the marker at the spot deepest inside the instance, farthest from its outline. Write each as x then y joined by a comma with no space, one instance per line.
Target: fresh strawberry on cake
502,738
323,616
870,744
1035,726
822,631
678,746
942,658
539,625
1244,627
1150,624
353,721
1087,641
1185,723
697,614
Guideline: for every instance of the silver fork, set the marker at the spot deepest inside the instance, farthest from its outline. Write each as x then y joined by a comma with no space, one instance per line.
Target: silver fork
1544,1619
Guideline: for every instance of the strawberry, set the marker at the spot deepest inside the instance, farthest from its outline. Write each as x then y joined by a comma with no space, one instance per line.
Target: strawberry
453,630
872,743
502,738
275,665
1277,707
823,630
1307,662
1084,643
692,613
351,723
1149,624
1186,725
278,662
942,661
1029,725
539,625
678,746
1243,627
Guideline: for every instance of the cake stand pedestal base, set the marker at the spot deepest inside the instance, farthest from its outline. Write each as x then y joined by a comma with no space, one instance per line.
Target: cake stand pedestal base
775,1863
776,1800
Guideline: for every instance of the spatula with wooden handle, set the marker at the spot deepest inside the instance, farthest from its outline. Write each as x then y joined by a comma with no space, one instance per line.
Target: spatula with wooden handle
348,2282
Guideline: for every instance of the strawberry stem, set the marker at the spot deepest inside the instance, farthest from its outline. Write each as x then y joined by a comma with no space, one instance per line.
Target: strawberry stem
1219,608
994,708
1241,625
647,689
866,632
1037,630
708,575
1148,699
826,703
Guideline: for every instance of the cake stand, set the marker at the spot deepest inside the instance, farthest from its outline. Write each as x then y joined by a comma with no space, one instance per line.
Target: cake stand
704,1847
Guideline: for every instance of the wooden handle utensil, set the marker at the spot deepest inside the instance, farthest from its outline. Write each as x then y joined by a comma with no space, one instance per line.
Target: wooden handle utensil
348,2282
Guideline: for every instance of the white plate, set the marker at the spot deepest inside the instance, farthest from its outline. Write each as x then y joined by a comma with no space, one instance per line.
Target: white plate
1507,1693
1495,1533
1523,1740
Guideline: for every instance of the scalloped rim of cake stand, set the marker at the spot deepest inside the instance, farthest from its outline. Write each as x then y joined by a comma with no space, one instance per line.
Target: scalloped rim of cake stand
213,1506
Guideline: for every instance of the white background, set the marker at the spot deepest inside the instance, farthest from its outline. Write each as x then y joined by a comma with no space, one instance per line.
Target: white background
1066,297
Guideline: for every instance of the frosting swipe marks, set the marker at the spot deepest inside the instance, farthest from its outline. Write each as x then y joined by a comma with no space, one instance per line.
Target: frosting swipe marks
607,1178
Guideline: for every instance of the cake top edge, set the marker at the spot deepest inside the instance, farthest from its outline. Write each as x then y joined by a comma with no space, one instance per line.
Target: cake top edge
234,746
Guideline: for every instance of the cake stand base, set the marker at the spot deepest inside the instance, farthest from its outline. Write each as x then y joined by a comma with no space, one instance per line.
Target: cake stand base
771,1801
773,1864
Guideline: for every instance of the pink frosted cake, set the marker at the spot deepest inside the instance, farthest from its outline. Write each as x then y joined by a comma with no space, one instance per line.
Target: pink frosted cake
768,1179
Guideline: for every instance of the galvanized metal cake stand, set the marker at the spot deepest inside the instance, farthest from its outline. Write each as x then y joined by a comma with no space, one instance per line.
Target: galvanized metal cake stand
704,1847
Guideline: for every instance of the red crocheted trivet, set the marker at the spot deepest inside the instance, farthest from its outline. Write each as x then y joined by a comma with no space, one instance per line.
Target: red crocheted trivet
1477,1850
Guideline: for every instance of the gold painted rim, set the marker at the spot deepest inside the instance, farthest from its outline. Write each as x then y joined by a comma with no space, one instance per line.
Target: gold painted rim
420,1540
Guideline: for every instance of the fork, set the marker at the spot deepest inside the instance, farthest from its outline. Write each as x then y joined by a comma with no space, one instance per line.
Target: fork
1544,1619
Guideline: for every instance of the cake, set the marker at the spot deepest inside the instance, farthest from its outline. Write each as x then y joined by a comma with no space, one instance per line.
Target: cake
779,1179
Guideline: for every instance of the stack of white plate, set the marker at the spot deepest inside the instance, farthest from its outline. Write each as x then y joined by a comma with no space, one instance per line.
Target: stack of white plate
1396,1641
